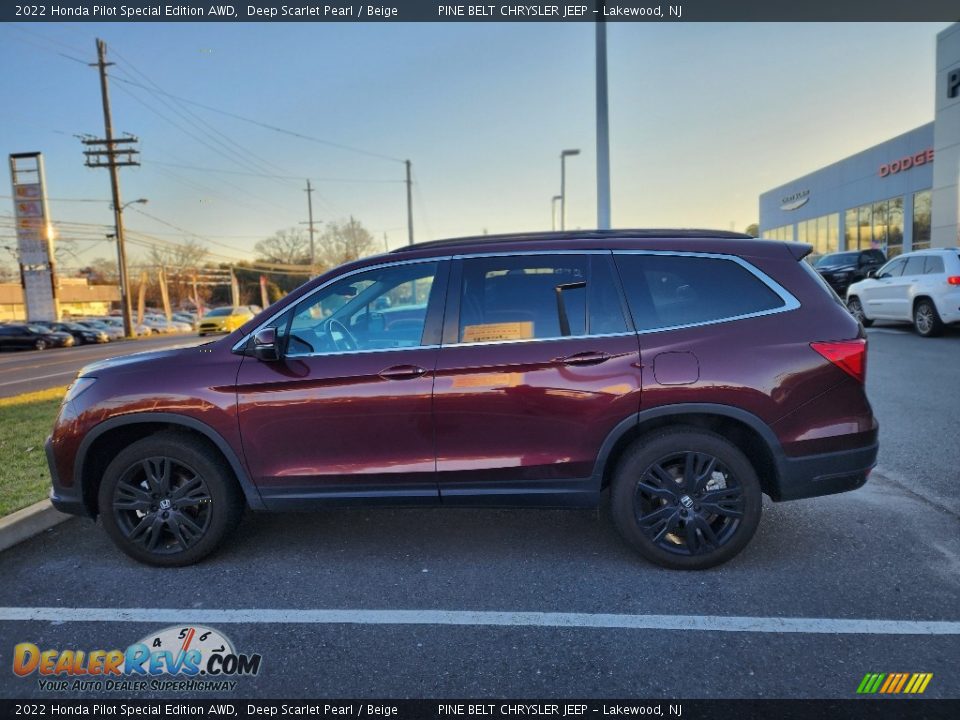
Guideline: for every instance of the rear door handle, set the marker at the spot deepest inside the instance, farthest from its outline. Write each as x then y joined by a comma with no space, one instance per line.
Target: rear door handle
402,372
585,358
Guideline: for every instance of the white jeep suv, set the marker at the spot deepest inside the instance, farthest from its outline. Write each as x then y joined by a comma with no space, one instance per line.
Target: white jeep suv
922,287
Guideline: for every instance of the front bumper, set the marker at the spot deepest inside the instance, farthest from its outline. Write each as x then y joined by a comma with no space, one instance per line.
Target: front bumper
66,500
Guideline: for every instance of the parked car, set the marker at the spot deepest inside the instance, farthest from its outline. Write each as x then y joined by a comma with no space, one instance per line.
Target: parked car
224,319
22,336
117,323
921,287
81,333
160,324
841,269
684,372
112,331
188,318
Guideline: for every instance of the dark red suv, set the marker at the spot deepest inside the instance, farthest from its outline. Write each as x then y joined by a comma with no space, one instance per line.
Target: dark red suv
688,372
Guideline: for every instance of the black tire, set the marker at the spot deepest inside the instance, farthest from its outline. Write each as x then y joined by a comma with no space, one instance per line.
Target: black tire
856,309
171,523
926,319
40,345
722,518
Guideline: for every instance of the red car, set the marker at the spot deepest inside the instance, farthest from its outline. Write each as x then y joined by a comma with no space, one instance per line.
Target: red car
685,372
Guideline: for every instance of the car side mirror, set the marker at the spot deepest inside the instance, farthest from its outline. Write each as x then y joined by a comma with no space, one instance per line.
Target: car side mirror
265,345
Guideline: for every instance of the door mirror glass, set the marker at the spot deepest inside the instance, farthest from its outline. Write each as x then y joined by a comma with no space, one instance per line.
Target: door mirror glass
265,345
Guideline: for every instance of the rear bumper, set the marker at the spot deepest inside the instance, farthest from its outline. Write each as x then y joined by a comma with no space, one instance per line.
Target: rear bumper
66,500
826,474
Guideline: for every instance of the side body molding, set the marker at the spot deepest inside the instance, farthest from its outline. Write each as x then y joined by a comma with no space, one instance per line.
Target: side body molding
250,491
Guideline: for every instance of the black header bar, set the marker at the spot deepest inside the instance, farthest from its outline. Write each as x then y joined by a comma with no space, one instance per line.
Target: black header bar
482,11
486,709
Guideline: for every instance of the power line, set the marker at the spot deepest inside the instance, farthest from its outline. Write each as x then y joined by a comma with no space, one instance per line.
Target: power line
268,126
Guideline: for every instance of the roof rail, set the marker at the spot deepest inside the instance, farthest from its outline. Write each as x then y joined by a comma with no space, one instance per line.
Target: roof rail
574,235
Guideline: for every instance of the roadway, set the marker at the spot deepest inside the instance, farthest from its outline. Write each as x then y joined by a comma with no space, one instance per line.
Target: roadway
866,576
28,370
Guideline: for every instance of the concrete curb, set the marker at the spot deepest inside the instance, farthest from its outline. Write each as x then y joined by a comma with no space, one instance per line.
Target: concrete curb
32,520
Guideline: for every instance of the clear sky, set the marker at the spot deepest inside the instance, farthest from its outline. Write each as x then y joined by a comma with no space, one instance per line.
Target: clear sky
703,118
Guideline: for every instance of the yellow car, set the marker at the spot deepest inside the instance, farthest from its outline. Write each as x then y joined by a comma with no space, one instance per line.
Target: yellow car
225,319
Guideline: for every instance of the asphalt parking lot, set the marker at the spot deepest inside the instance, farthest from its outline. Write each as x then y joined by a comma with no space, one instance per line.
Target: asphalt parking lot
842,565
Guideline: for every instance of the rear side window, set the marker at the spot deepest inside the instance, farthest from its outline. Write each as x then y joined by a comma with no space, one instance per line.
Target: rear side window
932,265
914,265
673,290
538,297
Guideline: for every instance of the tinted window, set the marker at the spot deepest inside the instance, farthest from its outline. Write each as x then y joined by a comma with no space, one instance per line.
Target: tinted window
671,290
894,268
914,265
932,264
538,297
379,309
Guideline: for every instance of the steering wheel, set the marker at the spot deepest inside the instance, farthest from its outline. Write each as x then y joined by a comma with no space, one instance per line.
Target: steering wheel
346,341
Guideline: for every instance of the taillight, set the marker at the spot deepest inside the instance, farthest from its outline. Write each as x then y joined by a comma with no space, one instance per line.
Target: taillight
848,355
953,280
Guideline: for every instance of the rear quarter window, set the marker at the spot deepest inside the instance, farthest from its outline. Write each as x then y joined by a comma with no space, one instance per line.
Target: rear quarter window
666,291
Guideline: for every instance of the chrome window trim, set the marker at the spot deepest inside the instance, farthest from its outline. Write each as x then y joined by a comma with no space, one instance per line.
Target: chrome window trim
790,303
362,352
560,338
411,261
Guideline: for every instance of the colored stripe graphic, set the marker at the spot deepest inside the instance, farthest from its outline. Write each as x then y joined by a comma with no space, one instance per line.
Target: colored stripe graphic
894,683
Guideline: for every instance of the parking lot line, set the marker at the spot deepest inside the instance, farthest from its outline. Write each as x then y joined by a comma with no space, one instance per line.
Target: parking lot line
701,623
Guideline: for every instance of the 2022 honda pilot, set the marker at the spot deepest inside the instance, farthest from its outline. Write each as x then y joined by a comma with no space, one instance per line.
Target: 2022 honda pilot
687,372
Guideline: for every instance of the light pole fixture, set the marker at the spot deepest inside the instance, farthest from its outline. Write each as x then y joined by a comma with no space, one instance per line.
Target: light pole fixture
563,185
553,211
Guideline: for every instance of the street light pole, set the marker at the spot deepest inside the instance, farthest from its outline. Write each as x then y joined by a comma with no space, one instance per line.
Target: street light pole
603,132
553,211
563,185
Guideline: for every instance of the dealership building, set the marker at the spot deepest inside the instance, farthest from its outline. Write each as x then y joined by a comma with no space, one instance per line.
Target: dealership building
900,195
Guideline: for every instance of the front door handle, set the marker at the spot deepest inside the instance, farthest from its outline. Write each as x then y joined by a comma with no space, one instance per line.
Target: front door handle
585,358
402,372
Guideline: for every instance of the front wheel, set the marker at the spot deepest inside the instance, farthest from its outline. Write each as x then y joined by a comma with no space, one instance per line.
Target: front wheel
40,345
165,502
926,319
856,309
686,498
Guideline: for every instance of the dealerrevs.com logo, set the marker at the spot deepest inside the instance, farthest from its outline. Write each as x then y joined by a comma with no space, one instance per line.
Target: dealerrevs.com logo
189,659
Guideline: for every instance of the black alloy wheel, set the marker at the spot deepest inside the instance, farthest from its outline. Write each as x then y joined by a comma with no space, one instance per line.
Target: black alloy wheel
686,498
167,499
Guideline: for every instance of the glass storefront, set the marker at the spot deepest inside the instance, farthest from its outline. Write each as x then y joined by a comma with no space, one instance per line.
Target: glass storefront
822,232
921,220
877,225
784,232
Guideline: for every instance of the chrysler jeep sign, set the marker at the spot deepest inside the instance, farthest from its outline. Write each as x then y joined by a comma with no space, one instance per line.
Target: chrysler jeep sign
797,200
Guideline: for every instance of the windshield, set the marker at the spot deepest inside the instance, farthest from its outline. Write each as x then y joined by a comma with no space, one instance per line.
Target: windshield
836,259
219,312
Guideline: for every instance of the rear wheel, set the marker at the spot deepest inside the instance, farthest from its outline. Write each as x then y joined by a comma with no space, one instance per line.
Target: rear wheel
926,319
165,502
856,309
686,498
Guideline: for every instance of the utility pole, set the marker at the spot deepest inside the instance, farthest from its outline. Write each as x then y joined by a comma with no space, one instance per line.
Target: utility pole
603,132
313,250
409,205
113,153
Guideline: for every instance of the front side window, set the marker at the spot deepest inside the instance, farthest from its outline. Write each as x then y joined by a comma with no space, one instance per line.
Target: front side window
666,291
379,309
894,268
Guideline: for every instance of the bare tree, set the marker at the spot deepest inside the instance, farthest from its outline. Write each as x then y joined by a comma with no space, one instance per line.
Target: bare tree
344,241
288,247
